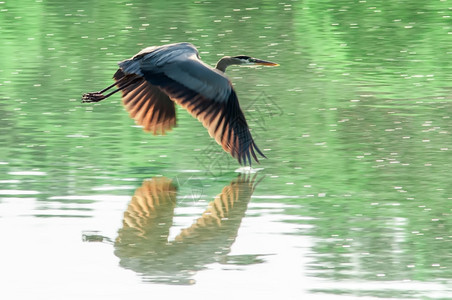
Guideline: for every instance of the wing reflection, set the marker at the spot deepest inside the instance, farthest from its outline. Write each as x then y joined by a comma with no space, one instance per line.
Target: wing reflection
142,243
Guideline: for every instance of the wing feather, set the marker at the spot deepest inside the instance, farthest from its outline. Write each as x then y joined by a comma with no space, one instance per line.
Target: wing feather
224,120
176,72
146,104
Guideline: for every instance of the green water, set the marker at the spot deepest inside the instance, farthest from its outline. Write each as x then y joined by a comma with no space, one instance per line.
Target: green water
354,200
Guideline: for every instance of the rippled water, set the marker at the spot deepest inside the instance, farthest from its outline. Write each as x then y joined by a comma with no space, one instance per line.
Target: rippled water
353,202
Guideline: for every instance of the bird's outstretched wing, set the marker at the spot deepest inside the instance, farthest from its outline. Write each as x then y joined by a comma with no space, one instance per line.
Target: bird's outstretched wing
226,211
204,92
151,203
147,104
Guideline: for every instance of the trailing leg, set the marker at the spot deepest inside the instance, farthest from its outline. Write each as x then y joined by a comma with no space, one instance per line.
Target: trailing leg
98,96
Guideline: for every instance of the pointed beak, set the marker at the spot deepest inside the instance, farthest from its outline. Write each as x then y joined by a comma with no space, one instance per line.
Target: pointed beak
265,63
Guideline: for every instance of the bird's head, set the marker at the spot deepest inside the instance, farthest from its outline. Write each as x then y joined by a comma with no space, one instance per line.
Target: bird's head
248,60
226,61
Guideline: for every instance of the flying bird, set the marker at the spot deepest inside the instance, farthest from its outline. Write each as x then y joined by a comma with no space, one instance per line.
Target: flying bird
157,77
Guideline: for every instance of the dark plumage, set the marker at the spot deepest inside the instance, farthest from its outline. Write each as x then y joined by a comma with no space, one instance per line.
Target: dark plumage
156,77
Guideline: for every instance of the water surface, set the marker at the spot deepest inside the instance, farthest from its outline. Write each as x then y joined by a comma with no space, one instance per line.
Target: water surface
354,200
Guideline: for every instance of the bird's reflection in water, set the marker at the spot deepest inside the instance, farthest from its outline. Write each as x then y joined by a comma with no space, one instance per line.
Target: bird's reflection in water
143,246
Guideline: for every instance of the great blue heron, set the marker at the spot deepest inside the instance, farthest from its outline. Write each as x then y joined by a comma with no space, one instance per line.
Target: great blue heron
156,77
144,245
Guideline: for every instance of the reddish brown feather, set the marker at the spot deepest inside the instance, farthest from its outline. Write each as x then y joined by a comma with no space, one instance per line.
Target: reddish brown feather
209,118
230,204
147,104
223,119
148,202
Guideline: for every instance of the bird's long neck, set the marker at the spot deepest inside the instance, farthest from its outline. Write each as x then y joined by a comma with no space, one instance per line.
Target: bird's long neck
223,63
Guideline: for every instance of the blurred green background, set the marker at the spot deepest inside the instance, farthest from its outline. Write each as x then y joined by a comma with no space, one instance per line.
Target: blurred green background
355,121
